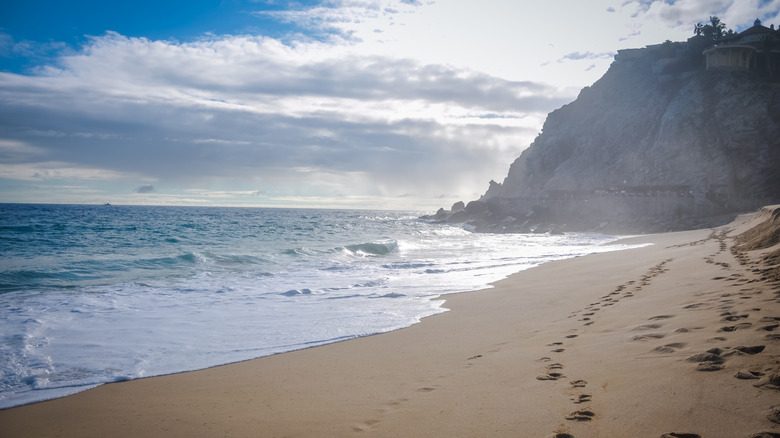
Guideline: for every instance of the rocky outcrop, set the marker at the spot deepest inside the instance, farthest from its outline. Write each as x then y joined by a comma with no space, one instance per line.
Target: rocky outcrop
658,143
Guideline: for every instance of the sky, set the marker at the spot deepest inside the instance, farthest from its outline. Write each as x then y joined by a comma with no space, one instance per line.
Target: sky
376,104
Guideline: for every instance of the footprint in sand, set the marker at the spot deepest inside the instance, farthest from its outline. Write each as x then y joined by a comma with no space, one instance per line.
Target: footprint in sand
732,328
732,318
749,375
712,355
648,336
366,426
550,376
694,306
581,416
669,348
751,350
657,317
584,398
647,327
680,435
709,361
559,350
774,414
578,383
709,366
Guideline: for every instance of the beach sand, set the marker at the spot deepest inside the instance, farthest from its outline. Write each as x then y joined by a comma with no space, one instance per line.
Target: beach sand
680,337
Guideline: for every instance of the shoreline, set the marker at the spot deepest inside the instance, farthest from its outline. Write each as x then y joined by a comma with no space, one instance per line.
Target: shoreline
507,257
599,345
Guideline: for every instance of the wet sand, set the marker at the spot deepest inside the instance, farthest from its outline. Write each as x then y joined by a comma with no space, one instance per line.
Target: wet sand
681,338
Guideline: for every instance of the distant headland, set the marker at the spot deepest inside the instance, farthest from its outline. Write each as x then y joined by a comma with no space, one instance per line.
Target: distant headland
674,136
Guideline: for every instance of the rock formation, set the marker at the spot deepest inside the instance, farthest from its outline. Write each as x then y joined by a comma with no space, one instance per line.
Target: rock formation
658,143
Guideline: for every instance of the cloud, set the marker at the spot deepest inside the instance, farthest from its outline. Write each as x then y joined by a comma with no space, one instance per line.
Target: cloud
57,170
34,50
17,151
255,109
440,101
145,189
578,56
685,13
333,18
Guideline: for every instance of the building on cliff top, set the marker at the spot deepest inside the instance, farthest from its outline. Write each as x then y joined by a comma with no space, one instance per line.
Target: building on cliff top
754,49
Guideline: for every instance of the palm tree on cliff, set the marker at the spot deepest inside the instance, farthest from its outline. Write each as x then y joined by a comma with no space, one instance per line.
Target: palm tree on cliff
712,30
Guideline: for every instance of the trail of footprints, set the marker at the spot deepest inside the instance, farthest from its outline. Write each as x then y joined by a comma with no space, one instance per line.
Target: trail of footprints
726,304
554,370
625,290
711,360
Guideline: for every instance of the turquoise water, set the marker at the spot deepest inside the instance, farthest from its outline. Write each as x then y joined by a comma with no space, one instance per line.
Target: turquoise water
94,294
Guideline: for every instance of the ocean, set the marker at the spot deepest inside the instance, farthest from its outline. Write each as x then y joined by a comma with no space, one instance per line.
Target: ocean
92,294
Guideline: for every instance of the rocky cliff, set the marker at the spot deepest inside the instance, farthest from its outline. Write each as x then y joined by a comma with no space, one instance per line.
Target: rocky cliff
658,143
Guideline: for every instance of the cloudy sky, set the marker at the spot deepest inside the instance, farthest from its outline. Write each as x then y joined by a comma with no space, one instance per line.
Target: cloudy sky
401,104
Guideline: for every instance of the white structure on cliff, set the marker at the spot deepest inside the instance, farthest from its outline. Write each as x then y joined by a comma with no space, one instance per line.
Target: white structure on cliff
756,48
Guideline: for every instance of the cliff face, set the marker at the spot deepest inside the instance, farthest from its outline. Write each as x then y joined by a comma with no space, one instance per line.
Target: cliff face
656,144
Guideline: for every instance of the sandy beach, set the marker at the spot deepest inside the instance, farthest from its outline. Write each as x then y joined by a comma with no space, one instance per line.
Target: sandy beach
680,338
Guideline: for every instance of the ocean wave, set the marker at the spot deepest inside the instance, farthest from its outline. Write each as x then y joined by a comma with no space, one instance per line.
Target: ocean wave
372,283
407,265
297,292
373,248
200,258
367,249
301,251
392,295
345,297
387,218
188,258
